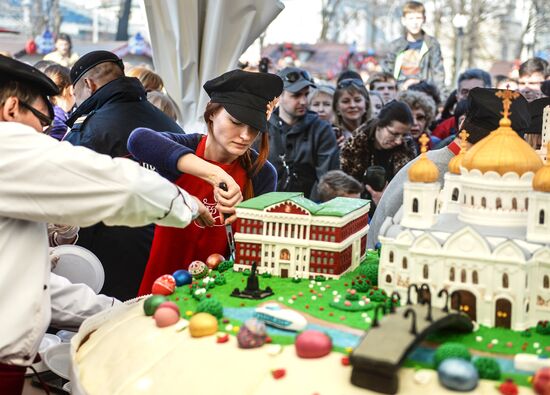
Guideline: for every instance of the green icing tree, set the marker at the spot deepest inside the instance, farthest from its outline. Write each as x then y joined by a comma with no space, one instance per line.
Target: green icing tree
210,306
225,265
220,279
451,350
361,284
370,270
487,368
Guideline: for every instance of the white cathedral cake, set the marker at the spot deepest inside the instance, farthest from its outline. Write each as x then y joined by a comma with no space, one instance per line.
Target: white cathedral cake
484,236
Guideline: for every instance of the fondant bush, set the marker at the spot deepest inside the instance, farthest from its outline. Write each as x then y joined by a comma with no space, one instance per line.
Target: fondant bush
220,279
266,275
320,278
543,327
352,295
361,284
211,306
296,279
487,368
451,350
377,295
246,272
370,270
225,265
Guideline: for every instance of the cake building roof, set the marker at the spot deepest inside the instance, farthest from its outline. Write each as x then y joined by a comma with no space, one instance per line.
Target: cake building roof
423,170
541,181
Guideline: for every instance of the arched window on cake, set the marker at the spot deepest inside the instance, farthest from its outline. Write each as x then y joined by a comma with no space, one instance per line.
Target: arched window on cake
463,275
425,272
505,280
514,204
475,279
452,274
454,196
498,203
472,201
541,217
388,279
483,202
546,282
526,203
435,206
404,262
415,205
391,257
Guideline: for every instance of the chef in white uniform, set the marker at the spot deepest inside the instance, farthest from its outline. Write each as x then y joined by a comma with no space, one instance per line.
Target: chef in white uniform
43,180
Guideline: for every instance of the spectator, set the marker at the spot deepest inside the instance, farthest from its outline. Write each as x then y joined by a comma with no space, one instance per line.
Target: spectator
150,80
165,104
302,146
532,74
42,65
63,103
63,53
471,78
385,84
110,106
505,82
429,89
337,183
43,181
416,54
320,101
482,117
459,115
382,142
423,110
351,105
376,103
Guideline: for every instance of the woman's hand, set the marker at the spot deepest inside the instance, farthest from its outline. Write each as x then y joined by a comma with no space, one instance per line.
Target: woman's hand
375,195
341,141
228,194
205,217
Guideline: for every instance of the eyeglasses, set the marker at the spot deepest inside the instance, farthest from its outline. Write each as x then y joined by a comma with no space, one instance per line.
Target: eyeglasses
350,81
396,136
45,120
294,76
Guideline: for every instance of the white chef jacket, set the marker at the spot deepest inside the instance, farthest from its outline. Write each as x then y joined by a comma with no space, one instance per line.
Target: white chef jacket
43,180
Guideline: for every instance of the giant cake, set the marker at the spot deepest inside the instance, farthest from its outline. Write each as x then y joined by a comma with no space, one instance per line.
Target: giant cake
321,328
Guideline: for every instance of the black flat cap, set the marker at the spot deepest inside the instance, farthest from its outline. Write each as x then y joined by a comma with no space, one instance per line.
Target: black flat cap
245,95
90,60
484,114
11,69
536,109
295,79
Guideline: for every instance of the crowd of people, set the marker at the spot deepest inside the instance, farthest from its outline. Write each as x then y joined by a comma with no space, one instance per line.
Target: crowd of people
80,136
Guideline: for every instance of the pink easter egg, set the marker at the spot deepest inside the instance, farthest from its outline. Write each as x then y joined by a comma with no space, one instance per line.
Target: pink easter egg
166,316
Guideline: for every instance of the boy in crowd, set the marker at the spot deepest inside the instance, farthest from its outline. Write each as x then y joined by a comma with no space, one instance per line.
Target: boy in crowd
385,84
415,55
337,183
532,74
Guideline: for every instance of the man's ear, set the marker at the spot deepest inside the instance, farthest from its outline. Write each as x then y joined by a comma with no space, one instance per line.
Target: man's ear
10,110
90,83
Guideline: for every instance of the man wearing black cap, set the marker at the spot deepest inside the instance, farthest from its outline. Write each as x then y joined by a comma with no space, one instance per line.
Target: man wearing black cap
302,146
482,117
110,106
42,180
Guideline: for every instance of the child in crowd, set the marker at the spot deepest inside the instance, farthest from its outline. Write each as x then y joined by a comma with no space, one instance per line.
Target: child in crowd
337,183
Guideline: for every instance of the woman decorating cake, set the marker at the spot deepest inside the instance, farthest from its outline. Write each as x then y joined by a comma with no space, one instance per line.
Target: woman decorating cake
239,107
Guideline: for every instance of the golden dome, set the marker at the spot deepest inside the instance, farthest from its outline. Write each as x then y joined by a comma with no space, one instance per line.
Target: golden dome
423,170
541,181
502,151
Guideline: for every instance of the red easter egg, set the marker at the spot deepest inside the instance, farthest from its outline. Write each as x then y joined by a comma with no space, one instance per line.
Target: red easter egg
165,316
312,344
164,285
214,260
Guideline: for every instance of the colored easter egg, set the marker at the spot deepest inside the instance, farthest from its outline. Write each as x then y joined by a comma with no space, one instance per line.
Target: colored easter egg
214,260
313,344
457,374
170,305
166,316
164,285
198,269
203,324
182,277
252,334
152,303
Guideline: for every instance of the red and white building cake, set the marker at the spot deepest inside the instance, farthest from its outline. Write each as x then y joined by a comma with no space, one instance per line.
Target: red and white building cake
290,236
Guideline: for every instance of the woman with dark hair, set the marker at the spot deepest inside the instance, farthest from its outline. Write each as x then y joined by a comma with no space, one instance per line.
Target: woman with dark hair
63,103
63,53
384,142
240,104
351,105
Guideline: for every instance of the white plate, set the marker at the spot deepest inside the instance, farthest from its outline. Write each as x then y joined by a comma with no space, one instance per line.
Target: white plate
48,341
79,265
58,359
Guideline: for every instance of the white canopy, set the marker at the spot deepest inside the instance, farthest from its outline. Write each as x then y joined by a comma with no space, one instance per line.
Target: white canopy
196,40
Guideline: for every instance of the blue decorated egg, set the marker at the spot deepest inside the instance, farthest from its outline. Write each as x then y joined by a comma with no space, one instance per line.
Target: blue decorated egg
457,374
182,277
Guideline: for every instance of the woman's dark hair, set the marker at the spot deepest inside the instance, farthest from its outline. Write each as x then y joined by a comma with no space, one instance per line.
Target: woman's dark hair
60,75
449,105
251,168
429,89
395,111
65,37
460,109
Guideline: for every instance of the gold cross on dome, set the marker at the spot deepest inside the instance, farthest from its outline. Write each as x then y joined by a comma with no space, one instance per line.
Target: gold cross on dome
463,140
423,140
507,97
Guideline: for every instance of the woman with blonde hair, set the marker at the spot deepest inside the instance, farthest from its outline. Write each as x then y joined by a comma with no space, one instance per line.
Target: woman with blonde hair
150,80
164,103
